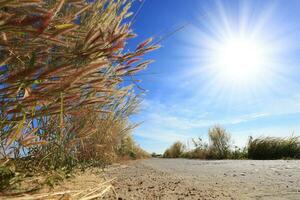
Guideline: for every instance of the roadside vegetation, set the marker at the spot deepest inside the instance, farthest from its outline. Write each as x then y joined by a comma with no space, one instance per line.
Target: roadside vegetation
66,91
274,148
220,146
175,151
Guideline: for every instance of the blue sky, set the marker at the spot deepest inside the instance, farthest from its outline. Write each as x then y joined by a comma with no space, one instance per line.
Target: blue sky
186,94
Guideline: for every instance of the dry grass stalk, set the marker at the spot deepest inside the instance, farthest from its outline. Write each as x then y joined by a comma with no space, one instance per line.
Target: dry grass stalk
61,80
96,193
69,48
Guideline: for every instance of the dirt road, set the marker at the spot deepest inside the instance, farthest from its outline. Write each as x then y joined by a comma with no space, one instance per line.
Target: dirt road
197,179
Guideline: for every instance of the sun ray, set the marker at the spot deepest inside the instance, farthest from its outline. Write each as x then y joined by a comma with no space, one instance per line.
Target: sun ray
237,52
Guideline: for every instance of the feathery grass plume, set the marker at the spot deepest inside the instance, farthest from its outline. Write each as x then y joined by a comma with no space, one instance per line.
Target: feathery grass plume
62,65
74,48
109,130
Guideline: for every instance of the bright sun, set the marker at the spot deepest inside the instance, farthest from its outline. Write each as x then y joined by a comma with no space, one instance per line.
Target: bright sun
239,59
238,53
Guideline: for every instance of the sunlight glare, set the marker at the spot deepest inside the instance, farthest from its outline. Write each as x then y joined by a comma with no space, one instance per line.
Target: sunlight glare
239,56
240,59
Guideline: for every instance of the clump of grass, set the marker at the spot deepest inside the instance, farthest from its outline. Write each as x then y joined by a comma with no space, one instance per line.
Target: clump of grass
201,150
63,99
239,153
219,141
218,147
128,148
175,151
274,148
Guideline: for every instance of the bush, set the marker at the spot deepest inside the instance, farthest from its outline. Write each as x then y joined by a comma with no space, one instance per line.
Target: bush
219,143
218,147
200,151
239,153
274,148
175,151
156,155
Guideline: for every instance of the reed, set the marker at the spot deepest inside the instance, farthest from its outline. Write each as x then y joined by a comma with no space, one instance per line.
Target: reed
274,148
219,142
217,148
63,99
220,147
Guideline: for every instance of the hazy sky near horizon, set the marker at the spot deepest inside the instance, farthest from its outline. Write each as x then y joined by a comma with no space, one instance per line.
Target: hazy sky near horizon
187,94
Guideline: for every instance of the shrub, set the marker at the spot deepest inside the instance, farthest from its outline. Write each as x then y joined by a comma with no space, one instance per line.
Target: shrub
175,151
218,147
219,143
274,148
200,151
156,155
239,153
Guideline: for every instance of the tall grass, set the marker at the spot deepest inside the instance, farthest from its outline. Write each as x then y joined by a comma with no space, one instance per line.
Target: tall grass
219,141
129,149
63,98
201,150
220,147
274,148
217,148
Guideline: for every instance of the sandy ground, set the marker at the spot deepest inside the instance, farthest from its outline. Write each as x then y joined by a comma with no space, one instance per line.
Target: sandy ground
196,179
169,179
